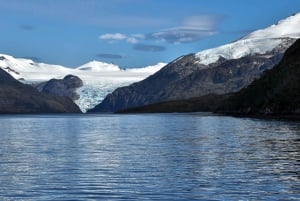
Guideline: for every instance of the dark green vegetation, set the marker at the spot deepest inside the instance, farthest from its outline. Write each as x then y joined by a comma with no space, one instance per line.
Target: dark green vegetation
276,93
16,97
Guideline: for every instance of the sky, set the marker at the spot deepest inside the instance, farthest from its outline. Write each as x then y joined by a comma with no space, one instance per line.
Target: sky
129,33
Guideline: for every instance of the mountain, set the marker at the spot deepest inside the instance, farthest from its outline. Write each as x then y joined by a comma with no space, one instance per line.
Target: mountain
98,78
220,70
62,87
16,97
276,93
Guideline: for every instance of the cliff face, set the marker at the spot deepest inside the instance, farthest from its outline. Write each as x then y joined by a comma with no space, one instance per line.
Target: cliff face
277,92
16,97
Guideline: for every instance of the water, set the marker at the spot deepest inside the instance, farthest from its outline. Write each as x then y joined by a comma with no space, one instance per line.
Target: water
148,157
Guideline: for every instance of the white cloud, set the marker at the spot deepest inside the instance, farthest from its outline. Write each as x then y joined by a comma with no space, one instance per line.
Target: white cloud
132,40
113,36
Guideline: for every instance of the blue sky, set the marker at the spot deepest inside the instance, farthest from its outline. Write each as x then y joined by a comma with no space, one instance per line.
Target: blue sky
130,33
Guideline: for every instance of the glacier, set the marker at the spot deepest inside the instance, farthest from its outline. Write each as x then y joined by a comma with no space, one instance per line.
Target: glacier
99,78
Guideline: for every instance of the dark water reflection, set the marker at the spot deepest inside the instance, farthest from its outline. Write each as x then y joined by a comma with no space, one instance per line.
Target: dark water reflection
149,157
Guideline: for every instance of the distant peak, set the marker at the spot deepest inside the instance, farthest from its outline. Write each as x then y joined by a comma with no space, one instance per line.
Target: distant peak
98,66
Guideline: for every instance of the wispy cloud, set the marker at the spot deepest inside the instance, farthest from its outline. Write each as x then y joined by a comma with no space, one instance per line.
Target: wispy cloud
110,56
112,37
192,29
132,40
149,48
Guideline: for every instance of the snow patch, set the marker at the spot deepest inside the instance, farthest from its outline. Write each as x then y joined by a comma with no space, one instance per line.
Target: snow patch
237,50
148,69
97,66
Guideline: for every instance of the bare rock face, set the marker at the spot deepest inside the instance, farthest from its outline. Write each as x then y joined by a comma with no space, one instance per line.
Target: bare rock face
186,78
62,87
18,98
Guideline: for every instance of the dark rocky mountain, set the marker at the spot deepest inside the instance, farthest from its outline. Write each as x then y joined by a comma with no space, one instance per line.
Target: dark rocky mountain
186,78
276,93
16,97
62,87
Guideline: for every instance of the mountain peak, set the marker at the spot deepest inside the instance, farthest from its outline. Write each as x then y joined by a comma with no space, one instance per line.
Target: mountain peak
257,42
98,66
288,27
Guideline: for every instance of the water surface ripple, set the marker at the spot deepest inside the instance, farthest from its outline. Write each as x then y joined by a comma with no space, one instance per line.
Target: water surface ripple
148,157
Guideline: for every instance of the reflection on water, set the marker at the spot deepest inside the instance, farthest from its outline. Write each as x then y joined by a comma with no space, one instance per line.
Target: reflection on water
155,157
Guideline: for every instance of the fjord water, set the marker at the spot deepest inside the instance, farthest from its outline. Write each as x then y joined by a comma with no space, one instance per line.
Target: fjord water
148,157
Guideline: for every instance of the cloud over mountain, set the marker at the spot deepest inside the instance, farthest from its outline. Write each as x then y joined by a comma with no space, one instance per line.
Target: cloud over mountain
192,29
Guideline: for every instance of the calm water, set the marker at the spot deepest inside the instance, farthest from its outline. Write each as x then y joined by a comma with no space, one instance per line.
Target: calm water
148,157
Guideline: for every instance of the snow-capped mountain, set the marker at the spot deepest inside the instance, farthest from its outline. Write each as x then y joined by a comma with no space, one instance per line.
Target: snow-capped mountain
288,27
98,66
257,42
98,78
219,70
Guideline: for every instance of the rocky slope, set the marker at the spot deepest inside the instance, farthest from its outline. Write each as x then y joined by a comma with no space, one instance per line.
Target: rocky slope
18,98
220,70
62,87
276,93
